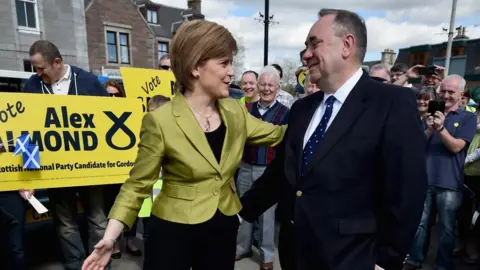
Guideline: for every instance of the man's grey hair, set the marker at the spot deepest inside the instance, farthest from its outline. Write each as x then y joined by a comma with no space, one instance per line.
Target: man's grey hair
164,57
347,22
380,67
271,72
462,82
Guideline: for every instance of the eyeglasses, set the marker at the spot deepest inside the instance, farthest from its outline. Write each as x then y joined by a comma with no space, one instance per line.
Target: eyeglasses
265,86
165,67
115,95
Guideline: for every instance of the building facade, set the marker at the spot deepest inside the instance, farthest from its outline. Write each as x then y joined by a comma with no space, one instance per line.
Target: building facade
165,20
118,36
465,57
25,21
131,33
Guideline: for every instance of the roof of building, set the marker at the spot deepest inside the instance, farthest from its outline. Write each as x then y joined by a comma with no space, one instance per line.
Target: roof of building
371,63
170,18
470,50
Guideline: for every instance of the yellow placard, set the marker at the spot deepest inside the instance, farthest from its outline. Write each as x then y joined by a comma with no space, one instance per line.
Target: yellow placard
145,83
301,78
82,140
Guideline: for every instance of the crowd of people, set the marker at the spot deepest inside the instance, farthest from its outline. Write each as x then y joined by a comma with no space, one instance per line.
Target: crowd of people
451,163
356,170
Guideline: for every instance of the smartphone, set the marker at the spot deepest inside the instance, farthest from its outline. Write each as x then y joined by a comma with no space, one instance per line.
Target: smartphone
436,106
425,71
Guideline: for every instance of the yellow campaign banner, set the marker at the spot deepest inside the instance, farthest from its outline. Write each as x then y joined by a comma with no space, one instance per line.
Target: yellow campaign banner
80,140
145,83
301,78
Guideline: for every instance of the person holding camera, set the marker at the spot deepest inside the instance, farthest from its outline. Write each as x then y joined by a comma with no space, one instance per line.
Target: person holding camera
450,129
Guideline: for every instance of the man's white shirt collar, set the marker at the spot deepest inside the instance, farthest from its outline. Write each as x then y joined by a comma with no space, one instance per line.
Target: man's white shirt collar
67,75
342,93
266,107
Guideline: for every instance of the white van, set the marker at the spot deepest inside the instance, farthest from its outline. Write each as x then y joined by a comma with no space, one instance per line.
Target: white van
12,80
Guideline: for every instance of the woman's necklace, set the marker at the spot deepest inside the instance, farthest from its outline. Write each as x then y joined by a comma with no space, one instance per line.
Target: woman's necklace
207,124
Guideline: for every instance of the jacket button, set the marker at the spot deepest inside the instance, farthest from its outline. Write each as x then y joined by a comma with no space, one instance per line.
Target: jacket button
218,178
299,193
215,192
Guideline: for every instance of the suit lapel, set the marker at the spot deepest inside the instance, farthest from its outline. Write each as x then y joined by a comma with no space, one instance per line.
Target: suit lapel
188,124
346,117
306,116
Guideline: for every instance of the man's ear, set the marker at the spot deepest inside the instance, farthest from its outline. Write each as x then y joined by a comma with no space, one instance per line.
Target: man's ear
57,61
349,44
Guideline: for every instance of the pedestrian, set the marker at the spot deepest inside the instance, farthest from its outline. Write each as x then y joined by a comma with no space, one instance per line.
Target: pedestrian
350,176
198,138
54,77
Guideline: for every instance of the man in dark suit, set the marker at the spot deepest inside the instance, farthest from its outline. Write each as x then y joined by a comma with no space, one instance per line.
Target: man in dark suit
350,176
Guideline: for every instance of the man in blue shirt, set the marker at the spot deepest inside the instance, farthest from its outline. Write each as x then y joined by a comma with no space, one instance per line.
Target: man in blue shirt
448,134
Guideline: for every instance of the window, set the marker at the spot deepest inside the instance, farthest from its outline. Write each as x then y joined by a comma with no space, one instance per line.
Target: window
112,47
27,66
455,51
162,48
27,14
418,58
124,49
118,47
152,16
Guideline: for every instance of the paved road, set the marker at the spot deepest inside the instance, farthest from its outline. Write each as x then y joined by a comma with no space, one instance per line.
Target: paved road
128,262
40,247
43,253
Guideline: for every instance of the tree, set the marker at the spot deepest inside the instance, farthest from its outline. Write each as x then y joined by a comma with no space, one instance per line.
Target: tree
239,60
289,80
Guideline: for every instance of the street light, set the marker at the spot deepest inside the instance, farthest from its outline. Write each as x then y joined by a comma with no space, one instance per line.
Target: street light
266,20
450,37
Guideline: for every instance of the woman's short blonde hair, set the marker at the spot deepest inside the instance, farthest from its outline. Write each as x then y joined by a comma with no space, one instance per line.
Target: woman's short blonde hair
195,43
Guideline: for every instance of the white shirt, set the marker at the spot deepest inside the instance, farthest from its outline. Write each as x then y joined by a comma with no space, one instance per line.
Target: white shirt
263,109
62,86
285,98
340,96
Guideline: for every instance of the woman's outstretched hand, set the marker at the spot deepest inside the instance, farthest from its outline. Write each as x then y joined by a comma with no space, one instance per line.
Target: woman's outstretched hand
100,257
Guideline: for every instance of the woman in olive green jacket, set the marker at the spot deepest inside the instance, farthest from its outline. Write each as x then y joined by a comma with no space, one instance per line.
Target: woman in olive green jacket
198,139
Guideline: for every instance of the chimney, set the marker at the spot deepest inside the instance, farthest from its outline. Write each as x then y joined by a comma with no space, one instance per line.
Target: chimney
388,57
195,4
461,33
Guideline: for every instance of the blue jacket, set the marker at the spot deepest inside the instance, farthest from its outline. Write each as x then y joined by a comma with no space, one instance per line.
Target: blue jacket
235,93
82,83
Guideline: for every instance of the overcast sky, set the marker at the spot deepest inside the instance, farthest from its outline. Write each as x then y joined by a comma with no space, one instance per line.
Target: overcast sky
390,24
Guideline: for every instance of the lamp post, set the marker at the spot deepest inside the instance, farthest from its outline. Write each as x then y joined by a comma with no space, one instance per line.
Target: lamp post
450,37
266,20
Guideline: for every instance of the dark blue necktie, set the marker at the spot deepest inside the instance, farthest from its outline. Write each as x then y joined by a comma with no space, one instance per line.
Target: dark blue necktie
317,135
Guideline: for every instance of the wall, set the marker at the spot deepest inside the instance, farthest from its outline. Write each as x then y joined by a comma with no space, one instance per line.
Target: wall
60,21
123,16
